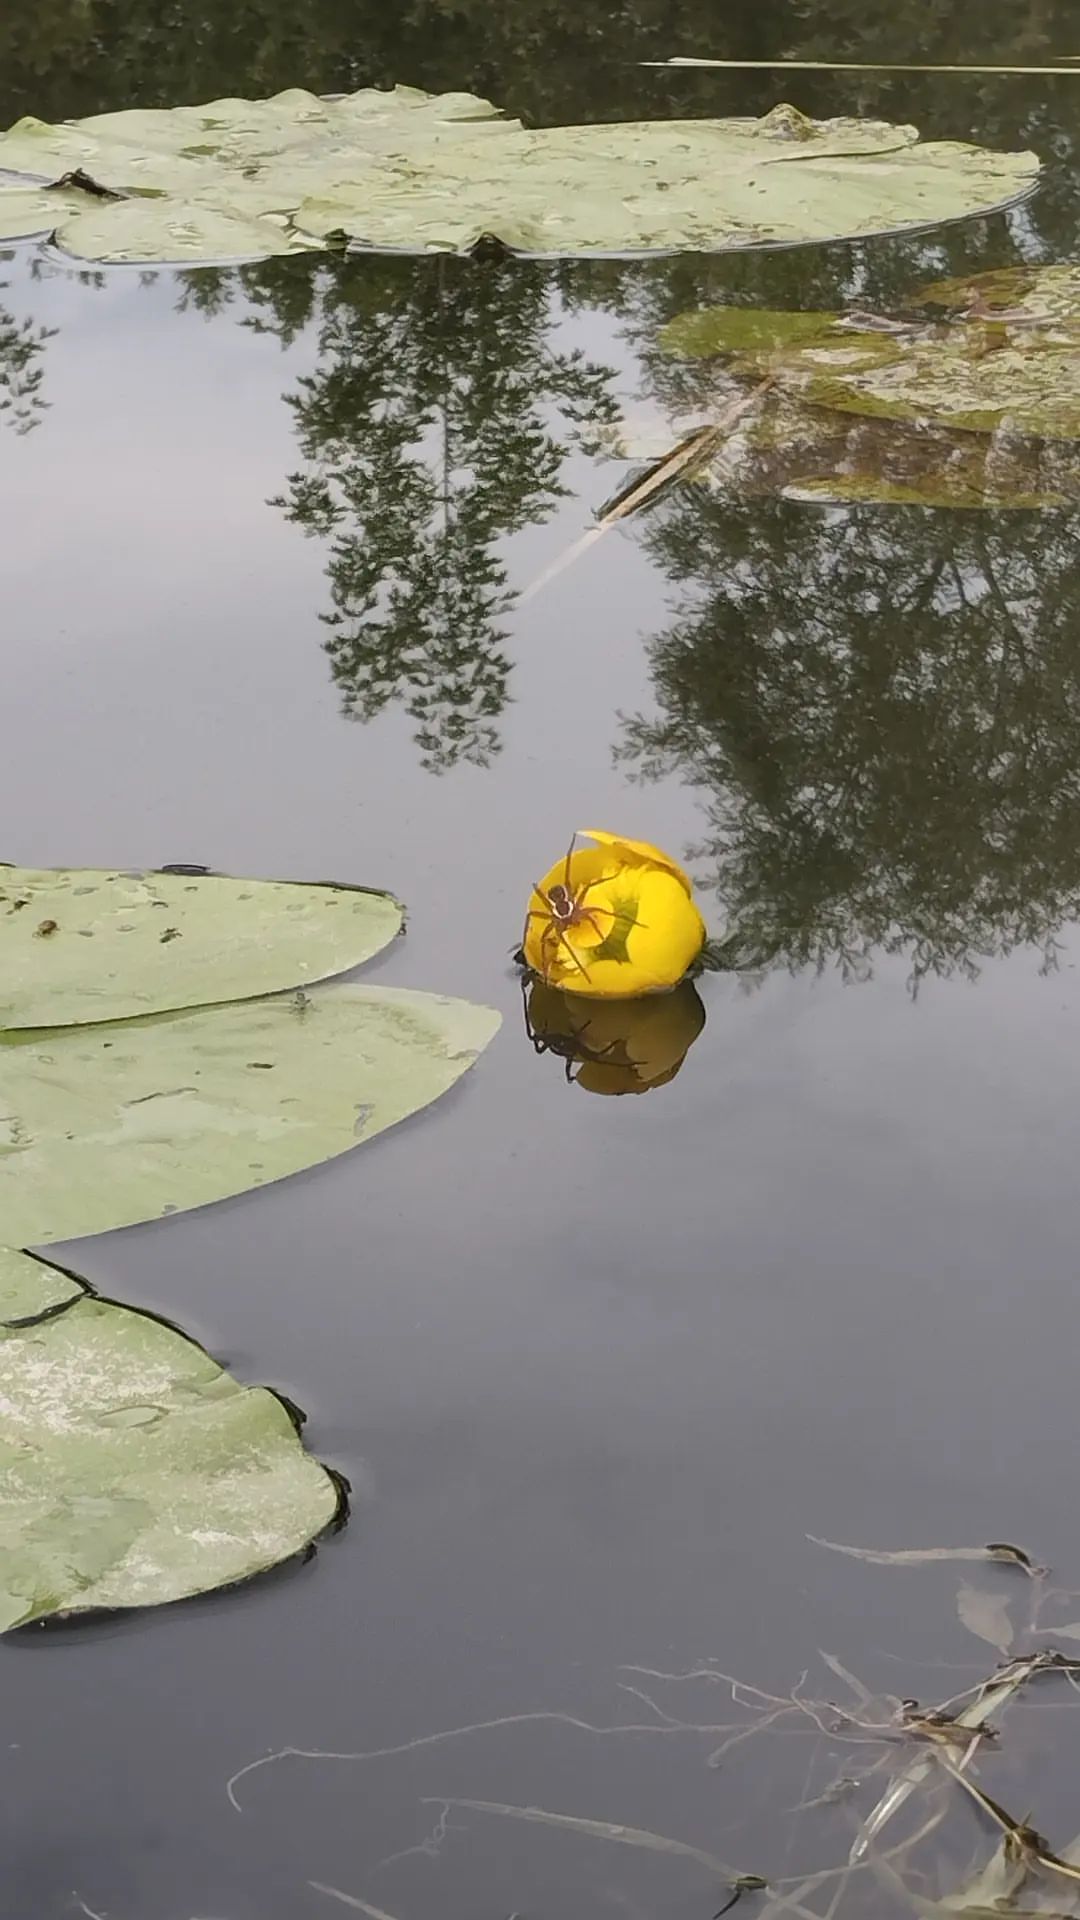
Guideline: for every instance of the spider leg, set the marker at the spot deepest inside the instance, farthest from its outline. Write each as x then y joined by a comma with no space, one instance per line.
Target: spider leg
566,869
581,913
602,879
537,913
561,937
588,913
553,927
551,930
525,929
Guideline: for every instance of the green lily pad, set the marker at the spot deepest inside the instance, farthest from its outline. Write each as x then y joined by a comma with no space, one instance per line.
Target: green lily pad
406,170
30,1289
35,210
136,1471
102,1126
82,945
1008,357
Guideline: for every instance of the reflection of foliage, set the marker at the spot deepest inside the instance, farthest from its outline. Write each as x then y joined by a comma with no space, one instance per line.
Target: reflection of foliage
884,706
424,435
21,344
547,58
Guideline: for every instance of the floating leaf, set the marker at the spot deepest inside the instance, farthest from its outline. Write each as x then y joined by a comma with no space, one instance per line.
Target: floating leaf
101,1126
406,170
135,1470
987,1615
25,212
85,945
998,1550
1009,355
30,1289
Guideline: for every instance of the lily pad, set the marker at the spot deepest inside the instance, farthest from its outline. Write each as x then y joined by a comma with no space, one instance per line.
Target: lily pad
407,170
1009,355
30,1289
136,1471
84,945
102,1126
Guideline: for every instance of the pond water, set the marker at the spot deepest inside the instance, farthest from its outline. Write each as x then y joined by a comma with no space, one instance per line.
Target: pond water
595,1368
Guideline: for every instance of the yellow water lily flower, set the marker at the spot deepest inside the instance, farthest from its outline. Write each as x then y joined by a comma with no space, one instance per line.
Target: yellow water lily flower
613,921
624,1046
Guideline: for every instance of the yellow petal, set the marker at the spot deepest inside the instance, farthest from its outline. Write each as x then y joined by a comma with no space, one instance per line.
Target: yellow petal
649,953
633,852
634,930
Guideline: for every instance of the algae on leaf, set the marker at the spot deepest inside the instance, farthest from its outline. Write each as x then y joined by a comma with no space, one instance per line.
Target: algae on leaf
83,945
403,170
136,1471
103,1126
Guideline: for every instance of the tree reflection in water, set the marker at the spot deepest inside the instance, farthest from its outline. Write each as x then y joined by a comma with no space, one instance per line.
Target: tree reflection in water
881,707
22,343
436,423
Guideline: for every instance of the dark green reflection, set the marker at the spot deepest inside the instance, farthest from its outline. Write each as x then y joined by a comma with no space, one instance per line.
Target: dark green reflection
550,59
435,424
22,343
882,709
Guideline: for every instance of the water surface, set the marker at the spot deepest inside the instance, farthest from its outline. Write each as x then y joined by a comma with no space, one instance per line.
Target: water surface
595,1368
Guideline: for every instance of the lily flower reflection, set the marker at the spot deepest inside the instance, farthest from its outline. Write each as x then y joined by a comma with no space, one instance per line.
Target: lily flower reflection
615,1046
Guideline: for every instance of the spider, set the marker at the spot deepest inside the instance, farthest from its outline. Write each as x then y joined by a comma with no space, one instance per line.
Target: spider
563,907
